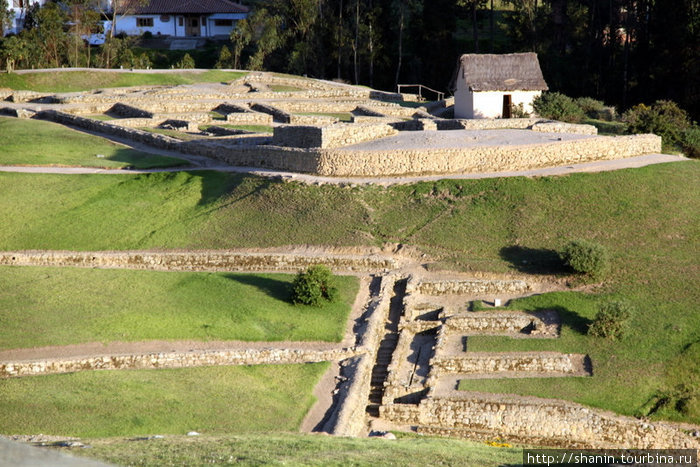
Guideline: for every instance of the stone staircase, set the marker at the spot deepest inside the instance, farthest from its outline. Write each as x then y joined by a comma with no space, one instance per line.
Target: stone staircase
386,350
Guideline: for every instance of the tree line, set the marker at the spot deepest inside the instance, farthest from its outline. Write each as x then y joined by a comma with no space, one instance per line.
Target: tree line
621,51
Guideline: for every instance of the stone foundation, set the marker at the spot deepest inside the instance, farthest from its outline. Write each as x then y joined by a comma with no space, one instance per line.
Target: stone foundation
174,360
196,261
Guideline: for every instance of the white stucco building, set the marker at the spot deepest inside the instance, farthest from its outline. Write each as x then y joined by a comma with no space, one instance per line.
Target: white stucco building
182,18
19,13
489,86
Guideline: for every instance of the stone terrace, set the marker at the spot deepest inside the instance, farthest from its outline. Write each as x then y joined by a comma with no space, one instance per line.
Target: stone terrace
321,127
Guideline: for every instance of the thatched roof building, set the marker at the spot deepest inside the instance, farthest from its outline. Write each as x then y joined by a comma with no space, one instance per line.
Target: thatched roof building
489,85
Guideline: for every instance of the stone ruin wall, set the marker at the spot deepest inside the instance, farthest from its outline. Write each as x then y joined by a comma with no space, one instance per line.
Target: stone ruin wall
174,360
328,136
534,362
468,287
344,162
196,261
494,322
549,422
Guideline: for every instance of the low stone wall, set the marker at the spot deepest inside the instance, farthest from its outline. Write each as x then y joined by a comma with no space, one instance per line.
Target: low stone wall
341,162
135,122
18,113
334,161
129,111
174,360
367,112
331,136
221,260
501,323
561,127
26,96
320,120
514,362
249,118
278,115
469,287
543,421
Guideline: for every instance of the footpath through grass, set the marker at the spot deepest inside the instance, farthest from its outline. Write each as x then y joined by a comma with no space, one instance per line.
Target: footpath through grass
297,449
74,81
58,306
210,400
36,142
646,218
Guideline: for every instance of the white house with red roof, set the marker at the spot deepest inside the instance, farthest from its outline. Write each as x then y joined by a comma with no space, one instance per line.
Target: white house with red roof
180,18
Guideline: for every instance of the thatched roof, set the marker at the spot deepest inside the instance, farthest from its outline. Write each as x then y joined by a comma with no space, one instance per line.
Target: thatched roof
510,72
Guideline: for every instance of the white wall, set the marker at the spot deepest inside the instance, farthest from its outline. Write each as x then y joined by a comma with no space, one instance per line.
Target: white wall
128,25
489,104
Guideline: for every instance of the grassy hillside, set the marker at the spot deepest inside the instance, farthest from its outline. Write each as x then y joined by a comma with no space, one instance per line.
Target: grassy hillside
35,142
211,400
298,450
646,218
73,81
59,306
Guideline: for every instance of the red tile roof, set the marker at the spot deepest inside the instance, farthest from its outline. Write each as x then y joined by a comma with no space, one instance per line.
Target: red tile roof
170,7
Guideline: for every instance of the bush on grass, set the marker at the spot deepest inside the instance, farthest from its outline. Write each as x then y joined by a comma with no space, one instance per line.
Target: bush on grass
313,286
185,62
691,141
557,106
586,257
663,118
611,320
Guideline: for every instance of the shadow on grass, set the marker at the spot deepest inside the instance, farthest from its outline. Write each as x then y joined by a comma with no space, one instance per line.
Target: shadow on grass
216,185
142,160
275,288
534,260
572,320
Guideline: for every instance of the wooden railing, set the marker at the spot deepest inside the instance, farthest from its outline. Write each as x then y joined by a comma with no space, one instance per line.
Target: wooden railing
440,95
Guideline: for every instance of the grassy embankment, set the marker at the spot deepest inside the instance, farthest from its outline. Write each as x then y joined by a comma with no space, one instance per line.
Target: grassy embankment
35,142
647,218
293,449
211,400
74,81
60,306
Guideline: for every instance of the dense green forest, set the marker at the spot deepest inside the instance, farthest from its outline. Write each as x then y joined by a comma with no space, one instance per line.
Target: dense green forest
620,51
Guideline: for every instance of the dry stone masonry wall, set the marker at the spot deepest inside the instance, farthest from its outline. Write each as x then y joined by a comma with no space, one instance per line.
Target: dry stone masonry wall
197,261
174,360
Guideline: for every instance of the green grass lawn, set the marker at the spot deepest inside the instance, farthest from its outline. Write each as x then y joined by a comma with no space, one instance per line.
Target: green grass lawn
211,400
73,81
640,362
59,306
253,128
646,218
297,449
284,88
177,134
342,116
36,142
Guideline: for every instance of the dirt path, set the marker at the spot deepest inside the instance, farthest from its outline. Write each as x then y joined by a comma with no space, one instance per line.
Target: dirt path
597,166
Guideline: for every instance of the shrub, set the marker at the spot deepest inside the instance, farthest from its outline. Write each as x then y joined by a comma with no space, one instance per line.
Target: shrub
611,320
185,62
557,106
518,111
663,118
592,108
691,141
225,58
312,286
586,258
